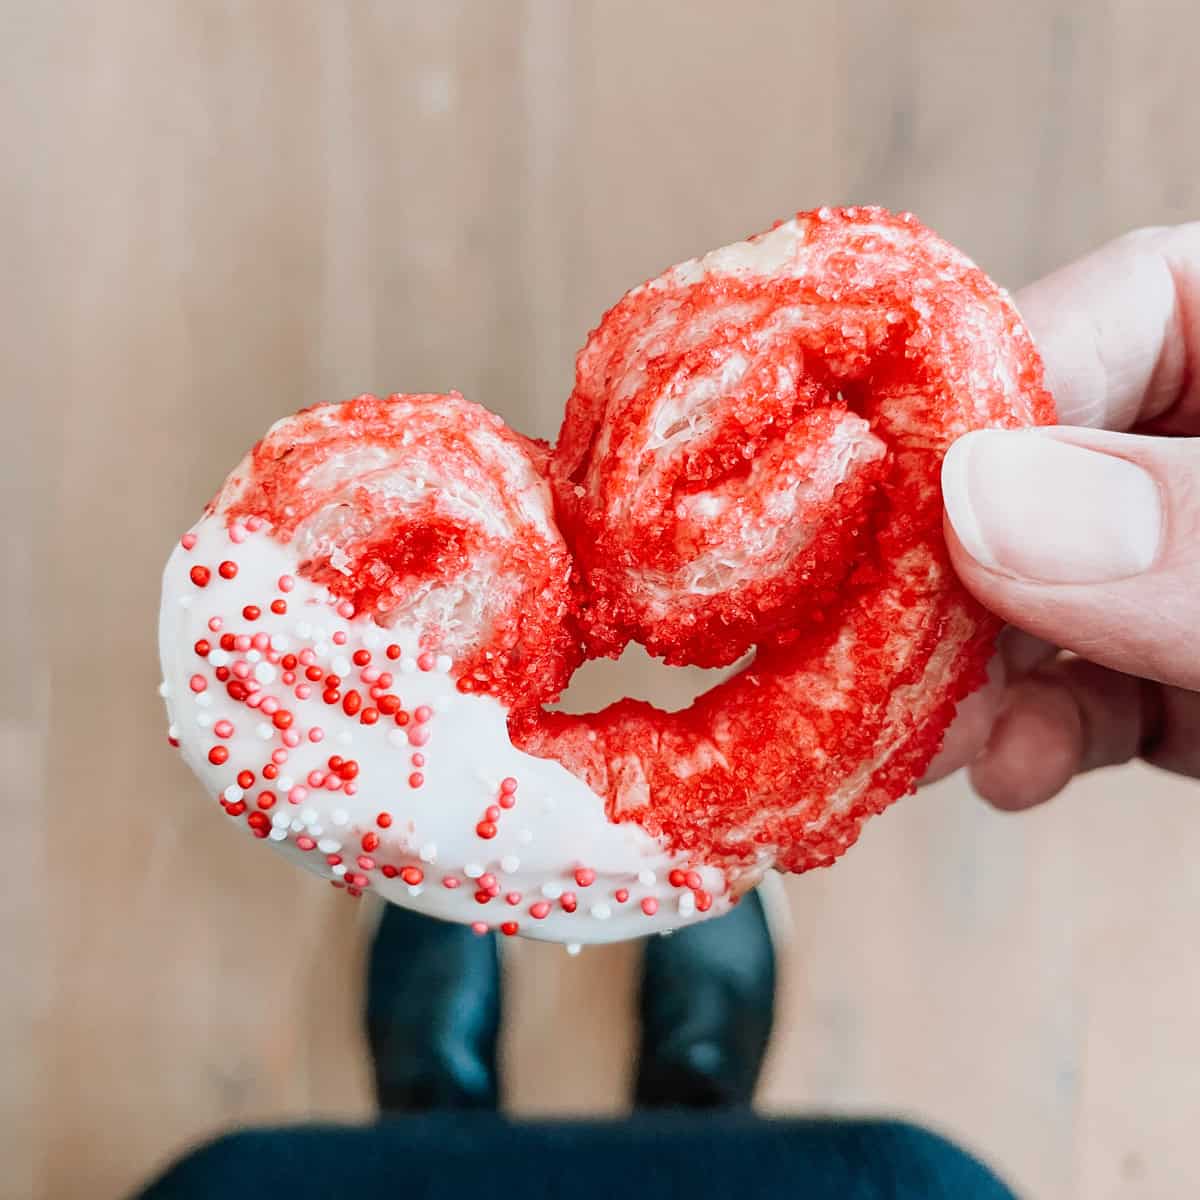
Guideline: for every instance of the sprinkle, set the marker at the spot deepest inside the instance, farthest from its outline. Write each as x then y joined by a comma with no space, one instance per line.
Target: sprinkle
416,779
552,891
601,912
265,673
397,737
485,829
449,881
647,878
285,583
338,869
621,895
509,928
412,875
339,637
281,820
693,880
200,575
237,534
339,816
298,795
687,904
278,835
510,864
291,738
472,870
233,793
218,755
443,663
188,541
428,852
419,735
227,570
585,877
218,658
316,734
478,928
540,910
223,729
427,660
649,906
345,609
573,949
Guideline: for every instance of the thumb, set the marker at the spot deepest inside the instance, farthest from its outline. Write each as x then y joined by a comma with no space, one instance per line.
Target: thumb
1087,539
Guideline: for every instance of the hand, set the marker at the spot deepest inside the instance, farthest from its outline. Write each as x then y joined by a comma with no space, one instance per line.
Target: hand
1088,541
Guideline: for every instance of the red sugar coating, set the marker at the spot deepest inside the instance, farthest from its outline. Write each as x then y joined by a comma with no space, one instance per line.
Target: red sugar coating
749,459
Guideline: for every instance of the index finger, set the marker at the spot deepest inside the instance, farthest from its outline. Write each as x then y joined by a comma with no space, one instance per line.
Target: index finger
1119,331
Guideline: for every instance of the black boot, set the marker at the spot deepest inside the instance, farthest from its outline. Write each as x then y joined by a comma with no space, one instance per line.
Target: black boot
707,1005
433,1014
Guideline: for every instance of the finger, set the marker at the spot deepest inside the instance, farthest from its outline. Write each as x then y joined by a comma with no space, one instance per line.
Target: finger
972,725
1069,717
1119,332
1086,539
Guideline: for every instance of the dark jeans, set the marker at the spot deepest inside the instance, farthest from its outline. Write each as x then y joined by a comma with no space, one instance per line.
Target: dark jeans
687,1156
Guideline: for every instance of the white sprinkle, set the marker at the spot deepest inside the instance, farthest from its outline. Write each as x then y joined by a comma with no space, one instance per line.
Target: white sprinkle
316,829
573,948
218,657
397,737
687,904
233,793
309,815
329,845
443,663
442,704
321,649
525,837
277,835
185,602
339,816
647,878
265,731
472,870
204,700
341,665
552,891
601,912
254,656
280,820
265,673
415,890
407,665
428,852
279,642
173,731
372,639
345,737
297,826
510,864
203,720
285,783
338,869
303,630
163,690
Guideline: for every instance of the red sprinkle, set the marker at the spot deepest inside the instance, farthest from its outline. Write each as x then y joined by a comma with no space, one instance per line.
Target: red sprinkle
200,575
202,647
585,877
218,755
227,570
485,829
539,911
383,820
370,841
650,906
509,928
412,876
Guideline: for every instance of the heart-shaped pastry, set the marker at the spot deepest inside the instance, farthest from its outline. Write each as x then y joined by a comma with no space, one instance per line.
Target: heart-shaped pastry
361,635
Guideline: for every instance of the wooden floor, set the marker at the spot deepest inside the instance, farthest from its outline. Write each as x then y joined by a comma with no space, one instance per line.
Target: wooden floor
218,211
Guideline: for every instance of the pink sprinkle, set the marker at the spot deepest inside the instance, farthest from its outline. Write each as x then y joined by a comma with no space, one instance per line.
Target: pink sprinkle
418,760
377,691
297,795
316,734
513,898
254,524
188,541
215,624
223,729
366,862
303,691
305,842
345,609
242,642
253,686
339,638
316,778
370,674
491,813
279,756
385,680
478,928
270,705
508,786
237,533
422,712
307,657
333,782
416,779
508,800
291,738
289,677
198,683
621,895
649,906
426,661
286,583
260,641
539,911
450,882
255,699
351,789
419,735
585,877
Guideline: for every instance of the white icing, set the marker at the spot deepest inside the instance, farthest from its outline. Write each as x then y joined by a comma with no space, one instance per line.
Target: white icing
557,826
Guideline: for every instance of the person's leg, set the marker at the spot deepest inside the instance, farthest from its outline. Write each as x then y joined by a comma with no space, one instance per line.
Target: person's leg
433,1014
663,1155
707,1004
